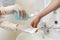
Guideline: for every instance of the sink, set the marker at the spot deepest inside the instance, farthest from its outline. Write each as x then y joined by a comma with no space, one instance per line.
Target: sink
53,35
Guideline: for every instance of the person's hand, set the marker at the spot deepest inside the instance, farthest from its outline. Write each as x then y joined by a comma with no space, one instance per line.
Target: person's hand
35,22
22,13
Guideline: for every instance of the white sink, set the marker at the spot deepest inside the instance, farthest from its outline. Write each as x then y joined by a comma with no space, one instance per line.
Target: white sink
7,35
53,35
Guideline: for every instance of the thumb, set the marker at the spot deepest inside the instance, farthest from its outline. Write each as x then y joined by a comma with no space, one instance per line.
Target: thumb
35,25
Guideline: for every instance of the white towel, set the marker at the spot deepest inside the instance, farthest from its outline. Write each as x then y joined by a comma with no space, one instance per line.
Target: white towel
8,25
27,28
11,26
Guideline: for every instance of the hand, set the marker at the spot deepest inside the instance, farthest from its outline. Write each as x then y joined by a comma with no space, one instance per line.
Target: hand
22,13
35,22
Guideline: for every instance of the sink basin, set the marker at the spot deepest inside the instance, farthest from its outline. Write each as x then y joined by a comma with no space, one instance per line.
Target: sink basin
29,36
53,35
8,35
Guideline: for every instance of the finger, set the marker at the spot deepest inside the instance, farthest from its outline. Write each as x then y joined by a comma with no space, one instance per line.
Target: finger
0,13
24,13
35,24
20,13
32,24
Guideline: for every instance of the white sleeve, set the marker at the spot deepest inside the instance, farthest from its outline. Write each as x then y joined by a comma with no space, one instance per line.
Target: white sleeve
8,9
14,27
2,10
8,25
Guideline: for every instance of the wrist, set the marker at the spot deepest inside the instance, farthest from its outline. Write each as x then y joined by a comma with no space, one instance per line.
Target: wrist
39,17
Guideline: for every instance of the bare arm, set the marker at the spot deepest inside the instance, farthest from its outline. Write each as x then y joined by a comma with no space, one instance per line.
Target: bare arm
51,7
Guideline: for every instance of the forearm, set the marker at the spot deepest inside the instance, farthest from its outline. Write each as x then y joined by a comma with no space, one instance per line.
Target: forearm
51,7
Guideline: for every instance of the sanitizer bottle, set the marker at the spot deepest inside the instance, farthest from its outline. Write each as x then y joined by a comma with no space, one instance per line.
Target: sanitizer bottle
17,17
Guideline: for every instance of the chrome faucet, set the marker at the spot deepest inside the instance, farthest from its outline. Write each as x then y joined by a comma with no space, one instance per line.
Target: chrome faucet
45,28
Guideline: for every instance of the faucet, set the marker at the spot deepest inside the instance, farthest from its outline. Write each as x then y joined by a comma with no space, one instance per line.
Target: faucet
45,28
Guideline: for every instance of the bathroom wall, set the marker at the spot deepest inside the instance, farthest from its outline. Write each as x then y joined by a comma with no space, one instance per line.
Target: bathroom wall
31,5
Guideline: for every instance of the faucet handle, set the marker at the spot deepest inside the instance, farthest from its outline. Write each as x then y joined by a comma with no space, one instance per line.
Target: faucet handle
45,28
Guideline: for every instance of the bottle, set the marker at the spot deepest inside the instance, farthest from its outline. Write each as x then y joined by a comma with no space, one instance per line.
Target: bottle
17,17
